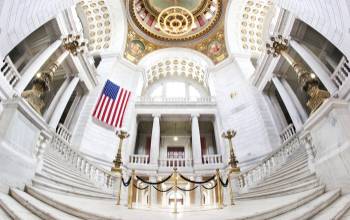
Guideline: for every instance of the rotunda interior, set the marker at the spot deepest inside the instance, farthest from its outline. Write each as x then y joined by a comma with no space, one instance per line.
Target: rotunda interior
174,109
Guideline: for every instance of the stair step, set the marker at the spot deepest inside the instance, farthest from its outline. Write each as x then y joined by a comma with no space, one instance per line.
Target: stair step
65,169
310,209
286,184
51,200
290,171
288,166
50,169
4,215
75,191
283,179
66,178
14,209
336,210
40,208
287,191
65,183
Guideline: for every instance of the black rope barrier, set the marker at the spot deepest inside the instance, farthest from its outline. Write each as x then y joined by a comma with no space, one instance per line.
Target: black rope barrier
154,183
224,184
146,187
166,190
210,188
197,182
187,190
127,182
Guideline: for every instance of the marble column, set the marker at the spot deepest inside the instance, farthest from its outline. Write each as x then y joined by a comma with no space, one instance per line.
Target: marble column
61,105
196,141
198,193
56,99
295,99
34,67
316,65
155,140
288,102
153,194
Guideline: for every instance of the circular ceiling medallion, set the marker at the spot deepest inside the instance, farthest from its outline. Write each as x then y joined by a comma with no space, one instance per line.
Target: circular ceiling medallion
175,21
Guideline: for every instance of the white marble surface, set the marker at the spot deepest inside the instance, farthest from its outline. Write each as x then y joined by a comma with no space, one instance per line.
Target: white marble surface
241,210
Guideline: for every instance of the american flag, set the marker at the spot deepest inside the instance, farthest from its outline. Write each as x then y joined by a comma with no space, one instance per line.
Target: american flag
111,105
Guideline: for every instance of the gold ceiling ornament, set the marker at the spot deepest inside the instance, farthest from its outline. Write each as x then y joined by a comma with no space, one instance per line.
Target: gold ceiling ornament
308,81
137,47
189,23
175,21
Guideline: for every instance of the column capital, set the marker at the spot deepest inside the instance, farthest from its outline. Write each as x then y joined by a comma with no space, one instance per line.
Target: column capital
195,115
156,115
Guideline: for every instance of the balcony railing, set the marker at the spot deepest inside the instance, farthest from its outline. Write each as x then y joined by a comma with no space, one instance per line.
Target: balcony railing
212,159
9,72
171,101
341,73
287,133
64,133
175,163
139,159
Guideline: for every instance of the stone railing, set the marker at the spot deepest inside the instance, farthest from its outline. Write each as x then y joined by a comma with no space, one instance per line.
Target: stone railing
341,73
139,159
272,162
101,177
9,72
63,132
143,100
287,133
175,163
212,159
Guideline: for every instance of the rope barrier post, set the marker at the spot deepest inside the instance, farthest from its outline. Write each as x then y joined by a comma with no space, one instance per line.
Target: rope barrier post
131,190
175,189
219,189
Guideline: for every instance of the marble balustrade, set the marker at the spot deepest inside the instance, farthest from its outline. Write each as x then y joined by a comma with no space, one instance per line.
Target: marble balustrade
341,73
272,162
95,173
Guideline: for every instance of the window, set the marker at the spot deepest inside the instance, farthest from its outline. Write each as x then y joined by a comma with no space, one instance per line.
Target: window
176,90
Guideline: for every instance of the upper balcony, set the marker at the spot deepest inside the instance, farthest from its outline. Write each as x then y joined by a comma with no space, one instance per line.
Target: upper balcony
147,101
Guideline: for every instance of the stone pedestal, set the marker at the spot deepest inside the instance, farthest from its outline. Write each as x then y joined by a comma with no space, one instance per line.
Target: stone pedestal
329,128
20,129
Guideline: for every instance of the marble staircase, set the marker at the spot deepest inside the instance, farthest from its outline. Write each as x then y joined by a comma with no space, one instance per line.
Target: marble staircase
61,191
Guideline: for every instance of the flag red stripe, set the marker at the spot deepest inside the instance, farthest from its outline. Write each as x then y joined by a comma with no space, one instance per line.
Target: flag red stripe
96,107
116,108
105,110
126,103
101,107
120,109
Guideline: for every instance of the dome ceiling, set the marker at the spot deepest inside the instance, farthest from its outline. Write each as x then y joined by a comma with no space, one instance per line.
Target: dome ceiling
158,24
175,20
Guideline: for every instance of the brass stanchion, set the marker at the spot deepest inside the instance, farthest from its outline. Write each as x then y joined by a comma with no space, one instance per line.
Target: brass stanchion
234,168
131,189
308,82
175,189
219,190
122,134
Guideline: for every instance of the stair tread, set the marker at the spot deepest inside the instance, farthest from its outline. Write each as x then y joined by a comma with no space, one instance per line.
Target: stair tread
15,209
244,195
335,210
66,178
54,169
308,210
43,184
284,178
4,215
285,184
67,183
40,206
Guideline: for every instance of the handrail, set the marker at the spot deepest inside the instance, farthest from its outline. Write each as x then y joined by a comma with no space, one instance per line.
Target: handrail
100,176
